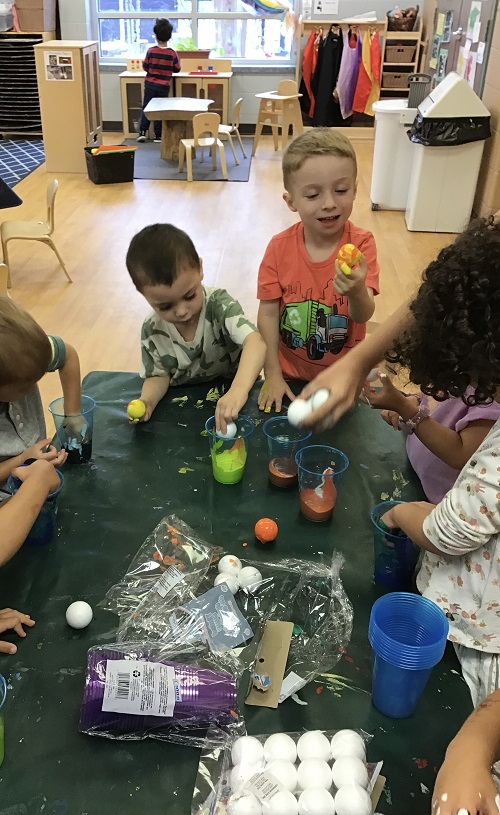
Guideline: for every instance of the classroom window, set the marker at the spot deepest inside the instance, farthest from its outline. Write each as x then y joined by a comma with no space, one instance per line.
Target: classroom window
243,30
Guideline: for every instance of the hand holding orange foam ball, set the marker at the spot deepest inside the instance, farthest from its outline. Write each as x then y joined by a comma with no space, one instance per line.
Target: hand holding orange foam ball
348,258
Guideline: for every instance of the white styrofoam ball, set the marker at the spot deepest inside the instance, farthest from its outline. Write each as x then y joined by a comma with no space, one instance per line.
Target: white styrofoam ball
247,750
230,579
353,800
348,743
314,772
245,805
249,578
284,772
349,770
373,375
283,803
316,802
280,745
298,410
313,744
79,614
230,433
229,564
242,773
319,398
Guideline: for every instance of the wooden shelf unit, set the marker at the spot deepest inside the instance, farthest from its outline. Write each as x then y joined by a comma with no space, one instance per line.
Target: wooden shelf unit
19,98
394,72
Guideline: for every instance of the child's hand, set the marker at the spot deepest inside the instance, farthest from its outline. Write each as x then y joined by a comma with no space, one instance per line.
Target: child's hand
392,417
39,451
75,427
464,785
10,619
389,398
43,471
272,392
147,414
229,406
388,518
349,284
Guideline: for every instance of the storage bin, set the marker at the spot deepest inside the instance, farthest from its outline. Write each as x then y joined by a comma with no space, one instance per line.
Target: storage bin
110,168
36,15
400,53
390,79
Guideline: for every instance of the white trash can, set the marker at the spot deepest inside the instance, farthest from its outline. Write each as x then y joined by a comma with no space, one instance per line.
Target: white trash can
448,139
392,154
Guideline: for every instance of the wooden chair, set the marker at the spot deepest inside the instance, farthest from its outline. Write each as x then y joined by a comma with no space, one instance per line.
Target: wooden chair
203,123
279,109
33,230
4,279
233,129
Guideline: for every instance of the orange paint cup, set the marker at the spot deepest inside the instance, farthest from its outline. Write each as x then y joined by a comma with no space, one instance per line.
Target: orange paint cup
319,469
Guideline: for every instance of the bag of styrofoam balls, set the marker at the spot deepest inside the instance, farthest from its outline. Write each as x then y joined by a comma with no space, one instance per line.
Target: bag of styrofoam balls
313,773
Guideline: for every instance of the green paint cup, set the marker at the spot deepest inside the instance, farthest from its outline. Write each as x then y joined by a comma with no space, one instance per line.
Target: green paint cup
229,455
3,696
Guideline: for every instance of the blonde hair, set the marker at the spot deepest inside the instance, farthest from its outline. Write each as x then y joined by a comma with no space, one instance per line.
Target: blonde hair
320,141
25,350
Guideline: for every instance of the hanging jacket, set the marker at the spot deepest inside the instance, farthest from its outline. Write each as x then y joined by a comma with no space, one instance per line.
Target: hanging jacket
368,86
327,109
309,61
349,70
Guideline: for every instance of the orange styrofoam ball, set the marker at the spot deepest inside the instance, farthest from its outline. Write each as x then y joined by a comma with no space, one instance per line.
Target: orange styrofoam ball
266,530
348,256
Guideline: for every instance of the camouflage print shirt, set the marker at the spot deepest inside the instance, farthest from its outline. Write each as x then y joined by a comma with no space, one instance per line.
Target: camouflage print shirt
214,351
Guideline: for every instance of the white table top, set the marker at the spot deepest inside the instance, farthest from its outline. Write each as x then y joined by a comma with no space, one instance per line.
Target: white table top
178,103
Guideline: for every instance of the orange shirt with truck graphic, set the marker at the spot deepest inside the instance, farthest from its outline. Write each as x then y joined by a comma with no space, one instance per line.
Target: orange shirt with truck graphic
315,328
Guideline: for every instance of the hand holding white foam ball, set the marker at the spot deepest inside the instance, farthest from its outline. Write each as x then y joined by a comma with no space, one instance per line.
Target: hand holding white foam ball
348,743
284,772
373,375
248,750
316,802
283,803
230,433
79,614
246,805
229,564
353,800
314,773
280,745
313,744
230,579
298,411
319,398
349,770
249,578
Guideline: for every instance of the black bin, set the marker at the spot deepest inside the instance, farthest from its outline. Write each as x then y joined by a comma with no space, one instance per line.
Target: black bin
110,168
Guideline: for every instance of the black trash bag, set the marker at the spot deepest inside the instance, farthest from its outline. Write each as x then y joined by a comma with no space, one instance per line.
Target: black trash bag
447,132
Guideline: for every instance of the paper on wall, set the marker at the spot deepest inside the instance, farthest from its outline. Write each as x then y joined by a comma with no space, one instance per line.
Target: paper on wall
480,52
440,24
474,22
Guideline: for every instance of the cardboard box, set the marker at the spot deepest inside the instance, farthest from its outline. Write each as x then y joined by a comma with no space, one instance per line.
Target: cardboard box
36,15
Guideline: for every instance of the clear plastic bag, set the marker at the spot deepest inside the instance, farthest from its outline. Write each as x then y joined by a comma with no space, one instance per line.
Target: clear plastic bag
172,690
173,559
215,785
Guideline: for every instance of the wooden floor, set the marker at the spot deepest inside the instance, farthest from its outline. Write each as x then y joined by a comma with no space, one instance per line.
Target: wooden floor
230,224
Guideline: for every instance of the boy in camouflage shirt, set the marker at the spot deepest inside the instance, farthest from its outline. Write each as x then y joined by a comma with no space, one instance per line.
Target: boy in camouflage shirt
194,333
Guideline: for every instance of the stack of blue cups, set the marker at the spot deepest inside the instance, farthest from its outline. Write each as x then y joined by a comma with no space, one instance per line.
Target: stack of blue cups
408,636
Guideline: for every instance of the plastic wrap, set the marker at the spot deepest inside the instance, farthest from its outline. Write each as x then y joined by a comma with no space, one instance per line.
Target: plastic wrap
173,690
213,787
172,562
311,595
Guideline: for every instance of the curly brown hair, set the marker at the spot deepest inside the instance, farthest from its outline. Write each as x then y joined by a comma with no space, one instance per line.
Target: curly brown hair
454,341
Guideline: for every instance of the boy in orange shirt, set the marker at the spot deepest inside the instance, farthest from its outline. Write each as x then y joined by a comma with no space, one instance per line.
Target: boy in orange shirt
309,309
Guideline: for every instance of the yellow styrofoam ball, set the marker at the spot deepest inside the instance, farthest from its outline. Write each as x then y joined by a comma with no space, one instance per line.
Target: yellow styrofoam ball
136,410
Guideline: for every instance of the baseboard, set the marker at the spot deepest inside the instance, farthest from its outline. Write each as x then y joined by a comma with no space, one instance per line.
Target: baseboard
354,133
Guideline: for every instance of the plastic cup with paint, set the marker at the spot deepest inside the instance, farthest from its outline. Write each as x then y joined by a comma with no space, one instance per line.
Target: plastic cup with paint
44,527
229,455
283,442
319,470
3,696
75,432
394,554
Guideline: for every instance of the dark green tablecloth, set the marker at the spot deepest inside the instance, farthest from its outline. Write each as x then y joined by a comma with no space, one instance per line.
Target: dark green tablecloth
107,508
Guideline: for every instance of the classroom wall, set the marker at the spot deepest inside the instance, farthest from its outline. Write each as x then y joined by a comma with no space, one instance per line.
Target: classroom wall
488,189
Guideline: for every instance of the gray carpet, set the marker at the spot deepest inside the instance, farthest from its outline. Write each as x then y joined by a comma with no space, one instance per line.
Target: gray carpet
148,164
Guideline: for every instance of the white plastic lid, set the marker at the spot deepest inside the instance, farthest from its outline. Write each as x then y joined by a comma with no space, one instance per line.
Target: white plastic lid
390,105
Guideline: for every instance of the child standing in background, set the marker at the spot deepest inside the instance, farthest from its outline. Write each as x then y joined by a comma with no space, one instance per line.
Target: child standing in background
160,63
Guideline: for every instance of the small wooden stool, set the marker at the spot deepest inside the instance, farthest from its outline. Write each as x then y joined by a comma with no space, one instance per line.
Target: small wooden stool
282,104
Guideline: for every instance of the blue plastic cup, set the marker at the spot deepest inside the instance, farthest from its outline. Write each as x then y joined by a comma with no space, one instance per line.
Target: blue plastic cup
75,431
3,696
283,441
44,527
229,456
408,636
395,555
